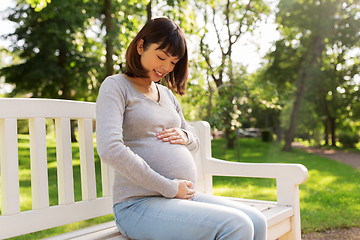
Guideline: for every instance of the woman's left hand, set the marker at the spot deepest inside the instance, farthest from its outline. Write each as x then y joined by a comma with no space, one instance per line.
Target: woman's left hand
173,135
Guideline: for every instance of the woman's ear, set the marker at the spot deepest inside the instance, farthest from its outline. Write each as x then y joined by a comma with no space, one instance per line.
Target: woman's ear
140,46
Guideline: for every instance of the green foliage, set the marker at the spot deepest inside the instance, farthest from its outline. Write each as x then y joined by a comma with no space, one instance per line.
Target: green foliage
319,53
198,100
61,43
59,47
229,20
23,127
38,5
328,199
348,139
57,60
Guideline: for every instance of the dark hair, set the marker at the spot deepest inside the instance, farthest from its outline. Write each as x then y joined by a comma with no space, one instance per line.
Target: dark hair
169,36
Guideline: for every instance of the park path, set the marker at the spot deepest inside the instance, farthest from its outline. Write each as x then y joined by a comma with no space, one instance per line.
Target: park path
350,158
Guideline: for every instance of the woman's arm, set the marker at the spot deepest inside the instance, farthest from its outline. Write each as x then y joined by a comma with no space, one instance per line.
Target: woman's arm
192,141
110,108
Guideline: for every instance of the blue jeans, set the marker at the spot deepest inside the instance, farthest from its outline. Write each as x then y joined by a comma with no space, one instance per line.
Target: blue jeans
206,217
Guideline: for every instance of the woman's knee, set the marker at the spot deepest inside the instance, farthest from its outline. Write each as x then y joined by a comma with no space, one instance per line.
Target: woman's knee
259,220
260,225
243,226
237,226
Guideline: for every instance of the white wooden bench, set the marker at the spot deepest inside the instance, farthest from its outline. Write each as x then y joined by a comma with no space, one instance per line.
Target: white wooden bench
283,216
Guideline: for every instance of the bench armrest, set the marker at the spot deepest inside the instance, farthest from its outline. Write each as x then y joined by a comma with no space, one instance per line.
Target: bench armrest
288,176
294,173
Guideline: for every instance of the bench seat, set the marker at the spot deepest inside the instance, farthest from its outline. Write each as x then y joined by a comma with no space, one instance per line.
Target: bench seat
278,219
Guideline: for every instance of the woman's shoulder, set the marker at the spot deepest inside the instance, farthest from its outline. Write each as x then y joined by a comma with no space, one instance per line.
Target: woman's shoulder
116,82
117,79
115,85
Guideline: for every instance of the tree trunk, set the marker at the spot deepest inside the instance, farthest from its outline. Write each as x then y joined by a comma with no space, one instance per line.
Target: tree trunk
209,107
290,133
149,11
326,132
109,25
279,133
310,67
326,120
332,131
230,139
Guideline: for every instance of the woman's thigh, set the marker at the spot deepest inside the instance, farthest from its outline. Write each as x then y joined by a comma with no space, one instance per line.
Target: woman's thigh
160,218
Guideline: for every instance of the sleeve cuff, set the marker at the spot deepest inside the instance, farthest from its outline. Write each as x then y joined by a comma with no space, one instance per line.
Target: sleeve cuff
172,189
193,143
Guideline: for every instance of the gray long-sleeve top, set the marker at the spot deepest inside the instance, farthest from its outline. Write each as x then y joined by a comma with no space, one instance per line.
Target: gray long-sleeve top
126,127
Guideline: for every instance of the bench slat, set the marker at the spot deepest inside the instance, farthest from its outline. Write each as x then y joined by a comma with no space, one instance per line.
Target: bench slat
107,177
38,159
106,230
9,164
64,161
87,163
40,219
47,108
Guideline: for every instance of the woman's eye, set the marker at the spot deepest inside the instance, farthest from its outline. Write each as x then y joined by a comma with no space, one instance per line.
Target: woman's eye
162,59
173,63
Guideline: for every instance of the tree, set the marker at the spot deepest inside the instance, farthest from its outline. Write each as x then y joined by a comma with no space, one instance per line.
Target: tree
230,20
57,57
55,51
309,38
340,66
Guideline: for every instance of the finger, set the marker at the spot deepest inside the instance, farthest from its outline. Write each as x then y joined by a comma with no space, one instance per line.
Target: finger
177,141
189,184
174,136
190,196
165,133
191,191
168,130
173,139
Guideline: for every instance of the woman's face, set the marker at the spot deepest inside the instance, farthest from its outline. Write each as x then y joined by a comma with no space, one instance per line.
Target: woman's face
157,62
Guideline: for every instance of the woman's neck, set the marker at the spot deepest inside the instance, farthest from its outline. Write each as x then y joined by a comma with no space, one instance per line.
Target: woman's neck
144,85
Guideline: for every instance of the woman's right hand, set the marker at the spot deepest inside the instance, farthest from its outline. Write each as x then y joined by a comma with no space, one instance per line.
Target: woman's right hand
184,190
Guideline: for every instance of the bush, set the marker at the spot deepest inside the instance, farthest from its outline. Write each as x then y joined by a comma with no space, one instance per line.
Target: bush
266,135
348,139
23,126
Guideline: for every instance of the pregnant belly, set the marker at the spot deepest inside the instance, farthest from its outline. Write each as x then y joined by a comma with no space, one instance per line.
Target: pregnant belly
172,161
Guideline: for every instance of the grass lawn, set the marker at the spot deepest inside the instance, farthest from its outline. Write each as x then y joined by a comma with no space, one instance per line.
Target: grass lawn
329,198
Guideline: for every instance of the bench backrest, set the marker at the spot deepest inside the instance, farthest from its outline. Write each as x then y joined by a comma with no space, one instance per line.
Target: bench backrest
42,214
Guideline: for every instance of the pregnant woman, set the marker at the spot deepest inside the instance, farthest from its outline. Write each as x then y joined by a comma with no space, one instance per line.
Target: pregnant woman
142,134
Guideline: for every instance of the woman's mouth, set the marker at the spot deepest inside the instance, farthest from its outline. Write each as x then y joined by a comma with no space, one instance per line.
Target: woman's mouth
158,74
